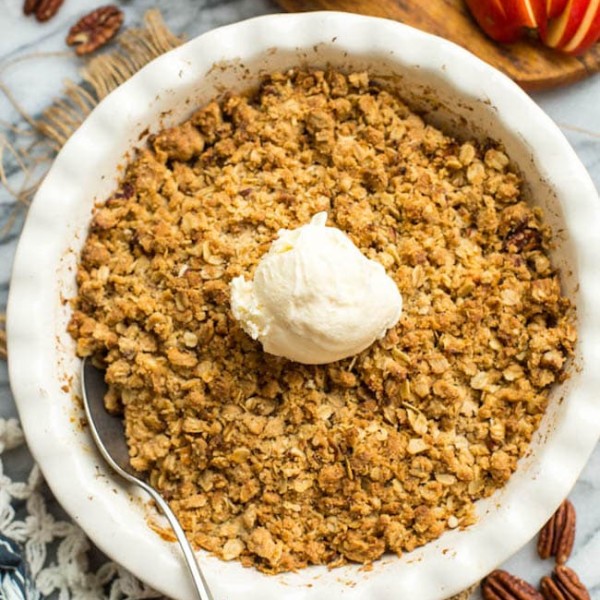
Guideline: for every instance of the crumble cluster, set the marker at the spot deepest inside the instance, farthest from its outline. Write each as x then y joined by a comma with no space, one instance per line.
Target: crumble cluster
281,465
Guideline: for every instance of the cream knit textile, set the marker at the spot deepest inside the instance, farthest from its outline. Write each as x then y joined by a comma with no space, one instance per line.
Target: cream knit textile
56,551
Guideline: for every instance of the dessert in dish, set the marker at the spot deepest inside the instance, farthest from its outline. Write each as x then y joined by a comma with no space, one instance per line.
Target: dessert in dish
281,464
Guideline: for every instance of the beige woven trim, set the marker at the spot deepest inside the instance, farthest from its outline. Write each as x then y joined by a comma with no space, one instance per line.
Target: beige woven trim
466,594
32,148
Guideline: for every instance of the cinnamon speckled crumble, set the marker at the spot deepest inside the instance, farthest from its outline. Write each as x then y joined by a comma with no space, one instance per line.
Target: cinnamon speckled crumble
281,465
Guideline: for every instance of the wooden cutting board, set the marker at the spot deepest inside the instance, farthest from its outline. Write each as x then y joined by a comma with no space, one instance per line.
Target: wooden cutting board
529,63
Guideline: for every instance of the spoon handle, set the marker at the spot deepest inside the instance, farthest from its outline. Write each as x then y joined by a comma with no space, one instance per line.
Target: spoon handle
190,558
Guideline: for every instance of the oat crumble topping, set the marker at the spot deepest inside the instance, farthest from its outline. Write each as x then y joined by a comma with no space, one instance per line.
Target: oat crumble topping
282,465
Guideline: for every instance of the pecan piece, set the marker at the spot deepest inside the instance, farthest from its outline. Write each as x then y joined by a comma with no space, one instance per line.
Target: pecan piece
558,534
563,584
95,29
501,585
46,9
523,239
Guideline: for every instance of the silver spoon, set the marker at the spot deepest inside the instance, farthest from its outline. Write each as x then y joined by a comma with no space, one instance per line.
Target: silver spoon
109,434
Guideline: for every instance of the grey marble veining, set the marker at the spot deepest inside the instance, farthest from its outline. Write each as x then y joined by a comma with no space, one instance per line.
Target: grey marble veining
35,81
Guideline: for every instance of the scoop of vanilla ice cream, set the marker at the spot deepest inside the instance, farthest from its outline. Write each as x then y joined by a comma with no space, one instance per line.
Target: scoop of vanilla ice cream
315,297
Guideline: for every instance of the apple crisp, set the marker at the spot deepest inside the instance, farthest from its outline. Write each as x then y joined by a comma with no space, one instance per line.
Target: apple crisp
281,465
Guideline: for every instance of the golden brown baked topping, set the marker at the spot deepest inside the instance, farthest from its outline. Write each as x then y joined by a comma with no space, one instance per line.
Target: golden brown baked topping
278,464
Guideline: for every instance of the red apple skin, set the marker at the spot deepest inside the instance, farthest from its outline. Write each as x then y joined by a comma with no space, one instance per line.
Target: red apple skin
518,12
564,27
492,18
521,12
555,7
589,38
541,13
507,20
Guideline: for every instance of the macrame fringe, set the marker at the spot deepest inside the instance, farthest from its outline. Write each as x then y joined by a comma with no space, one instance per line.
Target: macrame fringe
103,74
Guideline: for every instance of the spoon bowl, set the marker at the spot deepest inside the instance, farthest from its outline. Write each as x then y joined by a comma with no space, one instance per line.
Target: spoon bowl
109,435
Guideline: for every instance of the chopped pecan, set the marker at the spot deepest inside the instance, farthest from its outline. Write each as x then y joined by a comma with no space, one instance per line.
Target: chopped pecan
558,534
563,584
501,585
127,191
523,239
95,29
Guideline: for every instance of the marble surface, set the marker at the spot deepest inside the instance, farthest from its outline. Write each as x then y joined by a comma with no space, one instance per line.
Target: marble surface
35,79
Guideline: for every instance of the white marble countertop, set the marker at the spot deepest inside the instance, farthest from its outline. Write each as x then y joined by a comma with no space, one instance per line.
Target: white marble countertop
34,82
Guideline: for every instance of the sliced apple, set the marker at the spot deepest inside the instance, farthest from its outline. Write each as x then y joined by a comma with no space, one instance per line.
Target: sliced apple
588,33
555,7
561,29
576,29
507,20
572,26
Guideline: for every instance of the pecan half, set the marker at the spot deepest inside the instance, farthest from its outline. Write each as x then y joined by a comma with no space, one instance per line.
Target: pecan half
563,584
558,534
95,29
46,9
30,6
501,585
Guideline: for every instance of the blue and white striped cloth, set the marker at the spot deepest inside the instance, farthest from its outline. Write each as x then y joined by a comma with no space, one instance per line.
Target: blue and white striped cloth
15,582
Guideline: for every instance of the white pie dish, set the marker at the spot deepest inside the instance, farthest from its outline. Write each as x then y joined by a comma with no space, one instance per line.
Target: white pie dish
452,84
